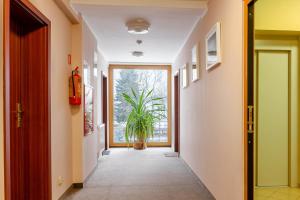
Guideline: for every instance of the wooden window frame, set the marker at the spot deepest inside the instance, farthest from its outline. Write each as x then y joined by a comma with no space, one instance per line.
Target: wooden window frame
168,68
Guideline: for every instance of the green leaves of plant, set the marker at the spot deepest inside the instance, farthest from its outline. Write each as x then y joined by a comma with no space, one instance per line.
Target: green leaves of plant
146,112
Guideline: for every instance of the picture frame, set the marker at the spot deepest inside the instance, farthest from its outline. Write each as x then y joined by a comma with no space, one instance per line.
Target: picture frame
184,74
88,109
195,63
213,47
86,73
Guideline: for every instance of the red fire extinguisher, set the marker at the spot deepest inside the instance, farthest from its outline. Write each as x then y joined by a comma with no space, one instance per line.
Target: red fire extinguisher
75,87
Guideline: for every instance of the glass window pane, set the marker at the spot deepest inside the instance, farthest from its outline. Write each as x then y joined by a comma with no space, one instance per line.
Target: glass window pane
139,80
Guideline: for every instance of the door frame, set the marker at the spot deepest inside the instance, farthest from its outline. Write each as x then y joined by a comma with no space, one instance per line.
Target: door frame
177,112
248,42
104,109
35,13
168,68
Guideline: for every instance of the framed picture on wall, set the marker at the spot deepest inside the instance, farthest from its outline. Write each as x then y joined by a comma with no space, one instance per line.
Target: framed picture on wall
195,63
86,73
88,109
213,47
184,77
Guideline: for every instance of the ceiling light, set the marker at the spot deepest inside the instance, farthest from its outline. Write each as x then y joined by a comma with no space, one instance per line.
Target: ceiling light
138,26
139,42
137,53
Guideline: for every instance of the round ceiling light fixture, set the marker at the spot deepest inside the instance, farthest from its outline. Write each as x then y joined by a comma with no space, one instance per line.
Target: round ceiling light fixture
138,26
137,53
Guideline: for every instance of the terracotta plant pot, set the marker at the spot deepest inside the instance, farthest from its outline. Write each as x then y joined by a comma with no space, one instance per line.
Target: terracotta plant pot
139,145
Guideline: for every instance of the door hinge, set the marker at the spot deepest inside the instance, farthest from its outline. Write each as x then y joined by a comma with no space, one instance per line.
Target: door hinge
19,115
250,119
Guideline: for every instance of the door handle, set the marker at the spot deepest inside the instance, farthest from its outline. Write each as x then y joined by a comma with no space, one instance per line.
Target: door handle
250,119
19,116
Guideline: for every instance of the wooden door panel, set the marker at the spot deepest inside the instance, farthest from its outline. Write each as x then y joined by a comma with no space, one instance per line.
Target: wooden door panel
27,148
36,116
17,135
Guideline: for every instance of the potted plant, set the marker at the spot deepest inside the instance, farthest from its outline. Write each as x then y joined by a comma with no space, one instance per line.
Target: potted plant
146,111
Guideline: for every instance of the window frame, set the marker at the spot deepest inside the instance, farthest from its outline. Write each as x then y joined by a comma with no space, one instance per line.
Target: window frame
168,68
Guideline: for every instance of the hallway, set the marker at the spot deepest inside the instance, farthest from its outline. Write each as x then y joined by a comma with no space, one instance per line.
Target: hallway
181,61
141,175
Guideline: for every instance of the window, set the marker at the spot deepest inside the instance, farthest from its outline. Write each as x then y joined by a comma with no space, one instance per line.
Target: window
138,78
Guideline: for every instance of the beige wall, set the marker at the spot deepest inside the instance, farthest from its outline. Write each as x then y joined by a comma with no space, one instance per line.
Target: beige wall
211,108
277,15
73,156
77,111
60,109
1,106
61,123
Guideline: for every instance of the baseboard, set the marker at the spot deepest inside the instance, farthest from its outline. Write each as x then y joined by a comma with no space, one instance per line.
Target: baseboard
66,193
77,185
100,153
91,173
197,178
105,152
70,189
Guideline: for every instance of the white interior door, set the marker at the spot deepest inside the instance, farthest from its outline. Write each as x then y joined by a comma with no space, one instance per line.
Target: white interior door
273,118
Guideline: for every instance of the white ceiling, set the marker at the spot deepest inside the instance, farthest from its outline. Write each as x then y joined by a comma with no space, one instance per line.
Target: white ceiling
170,27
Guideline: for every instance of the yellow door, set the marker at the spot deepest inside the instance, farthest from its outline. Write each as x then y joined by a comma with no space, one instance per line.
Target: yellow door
273,118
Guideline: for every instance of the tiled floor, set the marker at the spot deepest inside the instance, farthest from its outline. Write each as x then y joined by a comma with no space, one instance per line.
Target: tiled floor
141,175
277,193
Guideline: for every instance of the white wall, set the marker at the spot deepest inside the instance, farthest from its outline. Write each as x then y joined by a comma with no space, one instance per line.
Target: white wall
89,141
211,108
84,147
102,69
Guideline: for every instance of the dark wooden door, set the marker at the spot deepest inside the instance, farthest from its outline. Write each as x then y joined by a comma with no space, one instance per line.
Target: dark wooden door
104,108
27,103
177,112
17,135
